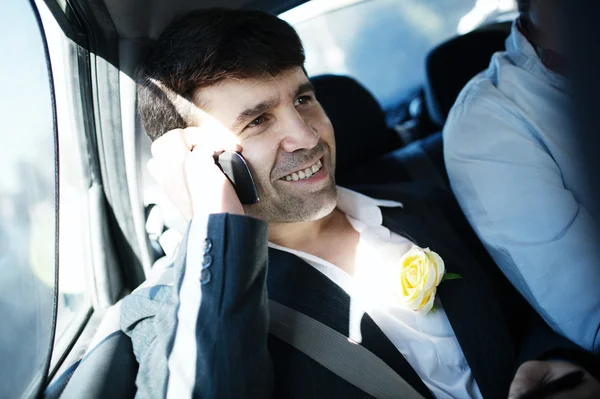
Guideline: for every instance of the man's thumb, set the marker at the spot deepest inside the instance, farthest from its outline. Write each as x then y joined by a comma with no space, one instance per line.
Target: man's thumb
529,376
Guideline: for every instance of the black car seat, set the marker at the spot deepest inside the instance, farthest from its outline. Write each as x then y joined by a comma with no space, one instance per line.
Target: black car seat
368,151
360,129
450,66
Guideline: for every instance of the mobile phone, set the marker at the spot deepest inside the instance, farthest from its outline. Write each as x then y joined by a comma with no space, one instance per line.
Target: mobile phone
235,167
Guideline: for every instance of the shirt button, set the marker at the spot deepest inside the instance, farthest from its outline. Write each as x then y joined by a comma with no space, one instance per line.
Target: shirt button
207,261
207,245
205,277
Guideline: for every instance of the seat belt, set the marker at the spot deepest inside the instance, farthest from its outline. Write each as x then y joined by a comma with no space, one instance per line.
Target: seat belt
334,351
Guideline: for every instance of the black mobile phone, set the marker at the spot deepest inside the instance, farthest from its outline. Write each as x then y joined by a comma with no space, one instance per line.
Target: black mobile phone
236,169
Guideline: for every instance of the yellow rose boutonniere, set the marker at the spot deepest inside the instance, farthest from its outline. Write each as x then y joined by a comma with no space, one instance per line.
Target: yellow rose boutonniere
421,271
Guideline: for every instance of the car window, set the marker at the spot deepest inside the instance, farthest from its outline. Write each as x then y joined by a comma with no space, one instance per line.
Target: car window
44,227
75,257
27,203
383,43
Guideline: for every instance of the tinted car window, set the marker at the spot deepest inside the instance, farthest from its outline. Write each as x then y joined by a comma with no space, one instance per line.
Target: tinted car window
27,203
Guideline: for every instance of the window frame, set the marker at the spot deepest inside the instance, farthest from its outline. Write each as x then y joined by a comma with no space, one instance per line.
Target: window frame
61,345
105,283
37,384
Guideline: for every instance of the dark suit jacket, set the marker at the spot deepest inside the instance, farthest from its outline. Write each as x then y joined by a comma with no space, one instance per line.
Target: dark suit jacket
235,356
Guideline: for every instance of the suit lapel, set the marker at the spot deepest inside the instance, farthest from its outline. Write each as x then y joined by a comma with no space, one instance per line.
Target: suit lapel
296,284
470,303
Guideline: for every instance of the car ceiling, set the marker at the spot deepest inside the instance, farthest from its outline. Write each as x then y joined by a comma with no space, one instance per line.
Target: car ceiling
126,27
148,18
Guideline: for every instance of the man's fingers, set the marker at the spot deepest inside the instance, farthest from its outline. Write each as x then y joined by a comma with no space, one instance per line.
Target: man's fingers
210,143
152,168
179,142
184,166
529,376
203,167
236,148
535,373
170,144
169,174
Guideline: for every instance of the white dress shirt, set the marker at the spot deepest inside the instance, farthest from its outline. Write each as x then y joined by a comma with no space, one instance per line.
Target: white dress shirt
427,342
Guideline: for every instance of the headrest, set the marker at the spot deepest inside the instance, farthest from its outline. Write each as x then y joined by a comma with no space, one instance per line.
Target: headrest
361,132
451,65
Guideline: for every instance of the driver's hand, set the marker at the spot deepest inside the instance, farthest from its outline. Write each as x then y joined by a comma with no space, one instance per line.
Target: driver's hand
535,373
183,165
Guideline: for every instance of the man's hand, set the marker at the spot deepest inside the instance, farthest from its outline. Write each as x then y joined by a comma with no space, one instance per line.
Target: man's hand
183,165
535,373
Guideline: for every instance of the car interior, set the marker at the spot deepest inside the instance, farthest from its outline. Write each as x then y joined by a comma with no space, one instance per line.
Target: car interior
133,228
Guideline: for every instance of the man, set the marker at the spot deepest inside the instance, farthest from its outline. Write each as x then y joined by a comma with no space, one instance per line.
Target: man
514,166
234,80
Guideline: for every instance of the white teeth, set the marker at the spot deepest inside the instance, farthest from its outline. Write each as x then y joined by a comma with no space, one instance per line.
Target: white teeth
304,174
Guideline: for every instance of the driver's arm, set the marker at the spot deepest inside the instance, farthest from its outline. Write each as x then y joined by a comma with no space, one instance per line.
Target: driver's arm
538,232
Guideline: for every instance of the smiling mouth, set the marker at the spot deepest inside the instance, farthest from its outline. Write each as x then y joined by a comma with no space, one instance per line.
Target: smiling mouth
304,173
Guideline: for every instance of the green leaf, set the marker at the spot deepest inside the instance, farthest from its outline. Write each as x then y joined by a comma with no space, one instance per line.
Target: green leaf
451,276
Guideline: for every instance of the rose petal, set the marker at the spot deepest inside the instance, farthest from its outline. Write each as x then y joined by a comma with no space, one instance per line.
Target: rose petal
441,267
432,273
417,300
426,308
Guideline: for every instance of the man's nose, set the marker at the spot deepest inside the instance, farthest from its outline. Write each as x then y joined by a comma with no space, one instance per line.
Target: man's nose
298,133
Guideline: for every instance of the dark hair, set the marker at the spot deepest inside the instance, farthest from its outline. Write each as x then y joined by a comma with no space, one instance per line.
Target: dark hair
204,48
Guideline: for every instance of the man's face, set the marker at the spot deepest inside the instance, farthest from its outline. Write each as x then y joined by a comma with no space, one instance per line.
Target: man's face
547,15
287,140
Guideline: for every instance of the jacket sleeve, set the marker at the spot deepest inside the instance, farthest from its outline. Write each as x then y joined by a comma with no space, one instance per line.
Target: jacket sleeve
205,336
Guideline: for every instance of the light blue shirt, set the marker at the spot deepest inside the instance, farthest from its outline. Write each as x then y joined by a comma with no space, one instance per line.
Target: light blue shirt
512,162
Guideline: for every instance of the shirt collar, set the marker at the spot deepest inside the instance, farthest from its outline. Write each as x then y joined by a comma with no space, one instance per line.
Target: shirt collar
523,53
550,58
362,208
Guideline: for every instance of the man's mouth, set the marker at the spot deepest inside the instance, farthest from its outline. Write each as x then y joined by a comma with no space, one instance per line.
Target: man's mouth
304,173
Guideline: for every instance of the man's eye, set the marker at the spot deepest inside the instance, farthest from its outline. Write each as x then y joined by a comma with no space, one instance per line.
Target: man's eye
302,100
258,121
